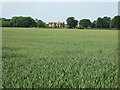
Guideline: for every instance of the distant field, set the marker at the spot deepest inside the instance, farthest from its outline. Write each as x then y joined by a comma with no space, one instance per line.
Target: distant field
59,58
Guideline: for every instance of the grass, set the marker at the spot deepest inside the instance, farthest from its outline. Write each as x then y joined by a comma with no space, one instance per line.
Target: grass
47,58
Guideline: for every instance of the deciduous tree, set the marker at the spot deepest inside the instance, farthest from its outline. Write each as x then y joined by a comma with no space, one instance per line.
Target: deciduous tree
72,22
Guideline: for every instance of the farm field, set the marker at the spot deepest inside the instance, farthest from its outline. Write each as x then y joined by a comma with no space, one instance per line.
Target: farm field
56,58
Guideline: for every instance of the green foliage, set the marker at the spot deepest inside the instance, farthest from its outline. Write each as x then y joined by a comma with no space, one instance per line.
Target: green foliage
23,22
107,22
103,22
93,24
116,22
46,58
99,23
71,22
6,22
40,23
85,23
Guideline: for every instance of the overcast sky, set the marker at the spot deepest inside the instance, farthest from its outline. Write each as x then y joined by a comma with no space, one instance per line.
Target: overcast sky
59,11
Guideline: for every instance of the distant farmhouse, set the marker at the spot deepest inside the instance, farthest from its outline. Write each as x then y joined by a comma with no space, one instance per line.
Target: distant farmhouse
56,24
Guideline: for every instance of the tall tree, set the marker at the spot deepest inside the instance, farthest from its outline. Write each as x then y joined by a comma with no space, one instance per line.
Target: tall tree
106,22
85,23
6,22
40,23
103,22
116,22
15,21
72,22
99,23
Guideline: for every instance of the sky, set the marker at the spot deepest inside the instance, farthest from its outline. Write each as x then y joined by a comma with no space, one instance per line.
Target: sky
59,11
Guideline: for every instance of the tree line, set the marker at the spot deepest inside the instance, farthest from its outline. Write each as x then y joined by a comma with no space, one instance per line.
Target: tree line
101,22
105,22
22,22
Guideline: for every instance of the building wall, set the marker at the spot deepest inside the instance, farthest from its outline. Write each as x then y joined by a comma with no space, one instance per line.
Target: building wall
55,24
